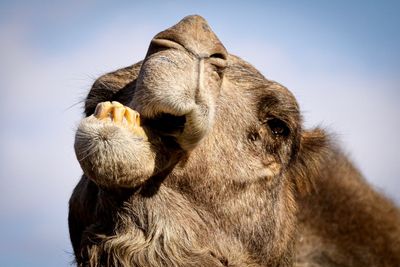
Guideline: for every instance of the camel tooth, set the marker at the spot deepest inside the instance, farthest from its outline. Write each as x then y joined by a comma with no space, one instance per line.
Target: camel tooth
131,116
117,104
103,110
118,114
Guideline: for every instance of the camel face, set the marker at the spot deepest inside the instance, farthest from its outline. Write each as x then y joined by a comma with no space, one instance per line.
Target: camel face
193,124
193,98
193,158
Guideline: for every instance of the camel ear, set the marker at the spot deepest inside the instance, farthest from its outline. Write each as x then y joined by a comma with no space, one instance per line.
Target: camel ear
311,157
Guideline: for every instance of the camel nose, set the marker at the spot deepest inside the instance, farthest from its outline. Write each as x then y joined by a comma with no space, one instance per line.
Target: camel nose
193,34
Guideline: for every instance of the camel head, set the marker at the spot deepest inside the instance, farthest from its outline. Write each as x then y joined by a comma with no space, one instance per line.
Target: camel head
194,124
191,157
188,107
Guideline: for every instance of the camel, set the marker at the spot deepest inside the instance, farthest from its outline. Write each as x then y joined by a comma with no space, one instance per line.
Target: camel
192,157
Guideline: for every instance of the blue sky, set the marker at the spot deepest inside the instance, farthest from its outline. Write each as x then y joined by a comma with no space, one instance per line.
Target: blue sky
340,58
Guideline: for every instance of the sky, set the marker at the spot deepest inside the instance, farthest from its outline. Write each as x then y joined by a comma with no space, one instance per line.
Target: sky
341,59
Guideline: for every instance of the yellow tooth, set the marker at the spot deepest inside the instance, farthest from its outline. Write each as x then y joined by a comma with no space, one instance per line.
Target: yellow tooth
116,104
130,116
137,119
133,119
118,114
102,110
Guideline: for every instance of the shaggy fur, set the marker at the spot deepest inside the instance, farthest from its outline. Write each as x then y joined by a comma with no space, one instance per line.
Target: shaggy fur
227,176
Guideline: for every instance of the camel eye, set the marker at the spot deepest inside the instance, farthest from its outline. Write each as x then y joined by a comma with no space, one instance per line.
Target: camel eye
278,127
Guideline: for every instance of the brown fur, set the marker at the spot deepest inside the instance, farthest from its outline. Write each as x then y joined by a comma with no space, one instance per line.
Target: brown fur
239,184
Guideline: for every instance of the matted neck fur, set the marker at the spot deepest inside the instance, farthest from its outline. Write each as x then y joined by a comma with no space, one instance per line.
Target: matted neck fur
217,171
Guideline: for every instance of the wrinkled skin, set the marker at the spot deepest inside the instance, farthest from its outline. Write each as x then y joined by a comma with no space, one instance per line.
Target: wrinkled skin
219,172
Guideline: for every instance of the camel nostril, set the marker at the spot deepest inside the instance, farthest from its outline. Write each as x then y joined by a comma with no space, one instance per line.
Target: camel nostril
218,61
160,44
218,55
195,36
167,43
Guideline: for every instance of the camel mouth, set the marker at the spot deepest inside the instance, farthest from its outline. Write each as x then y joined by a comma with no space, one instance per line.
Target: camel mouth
165,124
